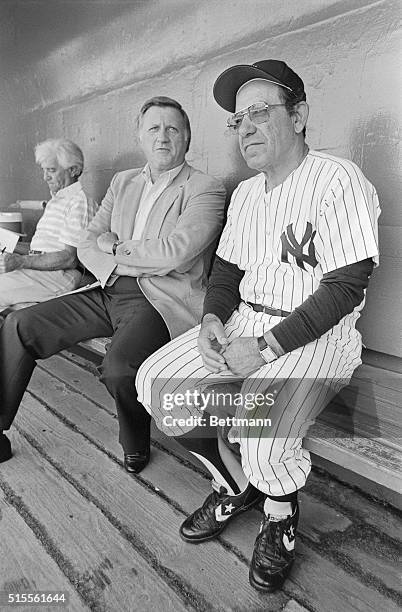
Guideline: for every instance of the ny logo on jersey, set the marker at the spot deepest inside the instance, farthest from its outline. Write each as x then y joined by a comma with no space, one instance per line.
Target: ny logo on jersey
294,248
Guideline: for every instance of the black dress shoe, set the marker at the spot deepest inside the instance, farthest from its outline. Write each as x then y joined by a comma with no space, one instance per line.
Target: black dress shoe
218,509
134,463
5,448
273,553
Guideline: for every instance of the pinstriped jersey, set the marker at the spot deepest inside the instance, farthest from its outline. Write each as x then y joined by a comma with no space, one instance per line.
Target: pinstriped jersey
322,217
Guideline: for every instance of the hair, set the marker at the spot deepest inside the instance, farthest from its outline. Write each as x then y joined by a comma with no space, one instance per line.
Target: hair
290,99
66,152
164,101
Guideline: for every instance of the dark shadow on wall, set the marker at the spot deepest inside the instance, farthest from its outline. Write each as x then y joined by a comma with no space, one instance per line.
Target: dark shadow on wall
33,29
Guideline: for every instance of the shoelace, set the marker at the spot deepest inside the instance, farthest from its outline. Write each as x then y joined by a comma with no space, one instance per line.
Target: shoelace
269,546
208,508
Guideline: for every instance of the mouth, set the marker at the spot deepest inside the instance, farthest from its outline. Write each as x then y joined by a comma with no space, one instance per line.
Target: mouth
252,144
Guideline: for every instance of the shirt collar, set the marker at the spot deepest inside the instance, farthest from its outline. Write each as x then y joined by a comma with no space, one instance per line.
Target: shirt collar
70,190
167,176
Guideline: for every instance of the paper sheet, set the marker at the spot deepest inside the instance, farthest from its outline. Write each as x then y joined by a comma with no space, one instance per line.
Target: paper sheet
82,289
8,240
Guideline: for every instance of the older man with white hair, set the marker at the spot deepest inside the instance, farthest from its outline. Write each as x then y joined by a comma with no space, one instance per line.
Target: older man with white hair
49,268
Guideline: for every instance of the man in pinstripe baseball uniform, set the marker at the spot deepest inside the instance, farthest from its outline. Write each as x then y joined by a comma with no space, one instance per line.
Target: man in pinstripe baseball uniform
287,286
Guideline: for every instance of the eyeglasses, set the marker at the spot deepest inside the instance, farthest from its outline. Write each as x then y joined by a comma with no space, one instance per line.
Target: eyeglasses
257,113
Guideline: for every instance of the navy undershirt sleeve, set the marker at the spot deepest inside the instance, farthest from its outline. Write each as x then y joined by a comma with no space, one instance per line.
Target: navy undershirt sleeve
223,295
338,293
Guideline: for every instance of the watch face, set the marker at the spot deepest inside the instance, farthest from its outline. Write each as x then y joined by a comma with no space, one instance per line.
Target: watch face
268,354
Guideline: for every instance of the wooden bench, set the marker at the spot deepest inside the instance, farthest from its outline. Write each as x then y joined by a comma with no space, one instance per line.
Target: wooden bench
358,437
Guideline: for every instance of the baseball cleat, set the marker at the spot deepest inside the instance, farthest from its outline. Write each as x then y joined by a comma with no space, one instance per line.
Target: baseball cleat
273,554
218,509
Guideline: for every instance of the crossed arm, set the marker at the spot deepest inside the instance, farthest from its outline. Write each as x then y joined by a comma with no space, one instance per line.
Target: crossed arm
195,228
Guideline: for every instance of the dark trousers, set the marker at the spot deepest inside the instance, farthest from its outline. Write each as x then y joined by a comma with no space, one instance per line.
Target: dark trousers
120,311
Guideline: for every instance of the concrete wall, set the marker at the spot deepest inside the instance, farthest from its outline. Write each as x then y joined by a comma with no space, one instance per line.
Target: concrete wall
82,68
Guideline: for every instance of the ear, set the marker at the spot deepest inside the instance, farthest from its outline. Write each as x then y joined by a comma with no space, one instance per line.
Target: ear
74,171
188,139
138,134
300,116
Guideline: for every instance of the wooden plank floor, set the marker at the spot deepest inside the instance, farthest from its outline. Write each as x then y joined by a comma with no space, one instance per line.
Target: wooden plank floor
73,520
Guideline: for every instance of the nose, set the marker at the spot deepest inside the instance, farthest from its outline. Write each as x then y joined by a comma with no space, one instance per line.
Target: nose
46,175
247,127
163,134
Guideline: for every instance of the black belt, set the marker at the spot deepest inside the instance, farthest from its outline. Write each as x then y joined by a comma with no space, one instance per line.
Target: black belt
275,312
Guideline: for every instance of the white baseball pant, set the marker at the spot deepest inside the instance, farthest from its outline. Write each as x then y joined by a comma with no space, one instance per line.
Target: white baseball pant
302,381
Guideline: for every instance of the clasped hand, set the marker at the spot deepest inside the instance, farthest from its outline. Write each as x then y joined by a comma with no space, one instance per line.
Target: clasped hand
10,262
239,356
106,241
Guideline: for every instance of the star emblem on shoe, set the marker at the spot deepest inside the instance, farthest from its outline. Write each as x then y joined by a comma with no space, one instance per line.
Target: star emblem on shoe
289,538
227,512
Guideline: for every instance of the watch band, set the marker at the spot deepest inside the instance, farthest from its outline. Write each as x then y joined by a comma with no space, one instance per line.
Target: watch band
267,353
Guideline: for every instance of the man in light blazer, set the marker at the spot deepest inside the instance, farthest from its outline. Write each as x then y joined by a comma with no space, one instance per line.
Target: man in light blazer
149,246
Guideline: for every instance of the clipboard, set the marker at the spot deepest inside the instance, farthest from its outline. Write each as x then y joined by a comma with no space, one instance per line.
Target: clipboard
8,240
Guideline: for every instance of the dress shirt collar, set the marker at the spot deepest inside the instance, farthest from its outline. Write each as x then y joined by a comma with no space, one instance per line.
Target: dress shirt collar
167,176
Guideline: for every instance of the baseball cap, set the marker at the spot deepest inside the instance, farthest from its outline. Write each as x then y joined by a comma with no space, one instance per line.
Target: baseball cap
275,71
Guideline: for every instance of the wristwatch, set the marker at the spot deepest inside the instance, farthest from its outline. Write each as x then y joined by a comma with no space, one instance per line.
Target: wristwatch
115,245
266,352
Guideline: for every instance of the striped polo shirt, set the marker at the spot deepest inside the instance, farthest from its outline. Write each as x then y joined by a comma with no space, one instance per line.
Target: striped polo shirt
67,213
